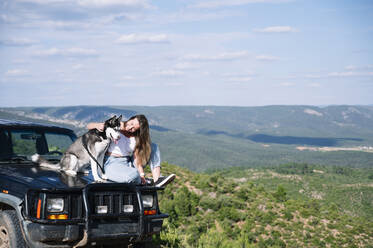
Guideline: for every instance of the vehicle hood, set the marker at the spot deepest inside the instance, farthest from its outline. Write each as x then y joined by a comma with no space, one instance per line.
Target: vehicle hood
31,176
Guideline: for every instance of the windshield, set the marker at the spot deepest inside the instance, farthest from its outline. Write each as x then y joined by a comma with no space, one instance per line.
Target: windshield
24,143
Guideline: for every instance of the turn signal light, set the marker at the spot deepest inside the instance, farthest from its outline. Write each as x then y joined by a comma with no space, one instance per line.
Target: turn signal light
57,217
38,209
150,212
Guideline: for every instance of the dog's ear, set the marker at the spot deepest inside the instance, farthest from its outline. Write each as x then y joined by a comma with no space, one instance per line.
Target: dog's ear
119,118
110,120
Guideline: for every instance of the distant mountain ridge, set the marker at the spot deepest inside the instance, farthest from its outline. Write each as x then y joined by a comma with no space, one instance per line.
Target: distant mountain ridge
83,114
275,119
200,135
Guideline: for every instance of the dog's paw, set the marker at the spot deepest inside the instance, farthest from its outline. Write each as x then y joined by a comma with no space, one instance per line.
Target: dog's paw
99,180
35,158
85,172
70,173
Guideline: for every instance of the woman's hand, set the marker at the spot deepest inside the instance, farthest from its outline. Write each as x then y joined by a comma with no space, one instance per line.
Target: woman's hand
142,176
100,127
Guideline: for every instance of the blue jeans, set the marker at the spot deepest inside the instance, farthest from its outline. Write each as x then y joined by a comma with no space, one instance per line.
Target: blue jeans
155,157
122,170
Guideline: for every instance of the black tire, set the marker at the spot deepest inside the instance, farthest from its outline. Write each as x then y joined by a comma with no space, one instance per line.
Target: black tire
10,230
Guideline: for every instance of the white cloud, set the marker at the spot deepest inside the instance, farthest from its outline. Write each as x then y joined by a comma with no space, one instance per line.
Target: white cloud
131,85
91,23
184,66
70,52
312,76
44,2
350,67
16,72
358,68
74,14
123,16
314,85
127,78
142,38
169,73
78,67
5,18
239,79
19,61
232,3
342,74
65,24
287,84
109,3
352,72
349,74
191,15
175,84
91,3
222,56
18,42
266,58
276,29
246,74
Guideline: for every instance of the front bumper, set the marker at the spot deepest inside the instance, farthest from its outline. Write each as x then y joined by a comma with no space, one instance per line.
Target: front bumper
50,235
92,227
54,233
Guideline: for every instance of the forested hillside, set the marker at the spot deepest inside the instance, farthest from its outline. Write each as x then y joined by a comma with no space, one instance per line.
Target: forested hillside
294,205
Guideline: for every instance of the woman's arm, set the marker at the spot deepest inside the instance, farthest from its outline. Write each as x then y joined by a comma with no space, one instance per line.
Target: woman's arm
140,169
122,126
98,125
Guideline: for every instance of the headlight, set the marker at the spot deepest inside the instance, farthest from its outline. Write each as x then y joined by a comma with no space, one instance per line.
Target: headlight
128,208
101,209
147,201
55,205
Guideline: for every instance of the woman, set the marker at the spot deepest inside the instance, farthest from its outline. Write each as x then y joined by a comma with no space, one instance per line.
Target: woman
125,160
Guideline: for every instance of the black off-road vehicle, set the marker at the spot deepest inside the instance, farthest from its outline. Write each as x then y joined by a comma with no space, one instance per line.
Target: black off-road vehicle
45,208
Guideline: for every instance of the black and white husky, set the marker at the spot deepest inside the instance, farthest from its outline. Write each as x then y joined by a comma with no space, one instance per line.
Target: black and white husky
90,147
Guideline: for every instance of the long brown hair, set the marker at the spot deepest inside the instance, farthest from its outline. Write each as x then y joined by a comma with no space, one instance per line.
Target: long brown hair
142,136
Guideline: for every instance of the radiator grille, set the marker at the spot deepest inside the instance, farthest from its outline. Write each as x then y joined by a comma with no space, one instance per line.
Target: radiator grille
76,206
114,200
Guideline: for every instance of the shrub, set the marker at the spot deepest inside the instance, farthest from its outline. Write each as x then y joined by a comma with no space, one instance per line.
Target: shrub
229,213
212,238
280,194
288,215
168,237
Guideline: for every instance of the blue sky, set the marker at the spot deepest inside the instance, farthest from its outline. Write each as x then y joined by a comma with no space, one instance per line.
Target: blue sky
178,52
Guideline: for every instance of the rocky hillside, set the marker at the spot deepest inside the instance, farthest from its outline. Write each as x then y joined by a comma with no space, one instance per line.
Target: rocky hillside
274,207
